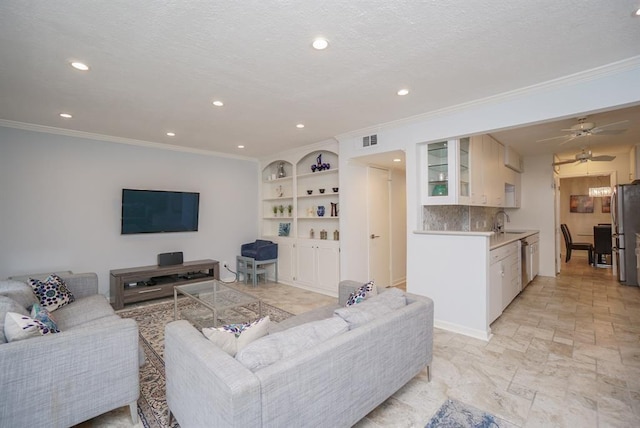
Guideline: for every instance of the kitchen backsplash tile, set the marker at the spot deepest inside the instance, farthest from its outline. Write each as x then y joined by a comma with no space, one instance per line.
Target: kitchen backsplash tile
458,217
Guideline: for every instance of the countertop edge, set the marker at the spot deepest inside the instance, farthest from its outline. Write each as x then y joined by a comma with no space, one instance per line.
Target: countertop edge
495,240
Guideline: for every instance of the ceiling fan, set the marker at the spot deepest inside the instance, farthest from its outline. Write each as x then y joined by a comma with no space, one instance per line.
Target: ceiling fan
584,128
584,156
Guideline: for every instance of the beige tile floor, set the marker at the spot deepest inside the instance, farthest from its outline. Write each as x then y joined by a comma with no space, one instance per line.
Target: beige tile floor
565,353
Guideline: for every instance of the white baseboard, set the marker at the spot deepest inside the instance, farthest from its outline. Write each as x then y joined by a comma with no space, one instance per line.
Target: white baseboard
471,332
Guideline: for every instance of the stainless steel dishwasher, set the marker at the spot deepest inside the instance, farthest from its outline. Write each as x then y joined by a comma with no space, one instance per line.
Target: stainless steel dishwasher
526,261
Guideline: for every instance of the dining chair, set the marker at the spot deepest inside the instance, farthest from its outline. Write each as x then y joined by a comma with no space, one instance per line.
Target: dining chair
570,245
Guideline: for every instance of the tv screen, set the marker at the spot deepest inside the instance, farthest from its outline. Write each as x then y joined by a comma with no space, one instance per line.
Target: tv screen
156,211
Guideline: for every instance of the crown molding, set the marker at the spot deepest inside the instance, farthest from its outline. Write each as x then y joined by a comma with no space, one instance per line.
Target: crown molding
119,140
628,64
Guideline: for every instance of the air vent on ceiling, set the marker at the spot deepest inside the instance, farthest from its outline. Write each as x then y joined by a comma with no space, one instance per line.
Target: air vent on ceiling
370,140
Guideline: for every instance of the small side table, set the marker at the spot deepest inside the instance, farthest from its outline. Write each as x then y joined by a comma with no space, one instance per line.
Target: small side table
248,266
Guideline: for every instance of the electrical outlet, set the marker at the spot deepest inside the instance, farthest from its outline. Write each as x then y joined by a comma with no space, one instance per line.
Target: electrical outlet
224,264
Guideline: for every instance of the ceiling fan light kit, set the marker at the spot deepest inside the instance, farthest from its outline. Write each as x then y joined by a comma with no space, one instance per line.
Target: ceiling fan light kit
586,129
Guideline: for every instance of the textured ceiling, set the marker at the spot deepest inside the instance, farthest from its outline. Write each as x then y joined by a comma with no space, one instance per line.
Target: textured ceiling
156,66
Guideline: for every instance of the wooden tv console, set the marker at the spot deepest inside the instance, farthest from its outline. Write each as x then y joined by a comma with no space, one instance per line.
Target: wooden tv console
142,283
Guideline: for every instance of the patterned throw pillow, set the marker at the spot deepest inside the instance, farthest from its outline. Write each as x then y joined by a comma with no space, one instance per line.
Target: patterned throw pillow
19,327
52,292
39,313
233,337
360,294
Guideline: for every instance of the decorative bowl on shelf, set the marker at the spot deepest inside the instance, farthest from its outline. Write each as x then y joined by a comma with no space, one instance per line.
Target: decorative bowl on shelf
321,190
309,192
335,189
439,190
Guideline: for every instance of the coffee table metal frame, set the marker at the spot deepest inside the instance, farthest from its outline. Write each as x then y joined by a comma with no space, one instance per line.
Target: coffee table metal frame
215,296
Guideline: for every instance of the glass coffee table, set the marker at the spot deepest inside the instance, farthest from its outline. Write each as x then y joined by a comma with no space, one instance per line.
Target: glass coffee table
211,299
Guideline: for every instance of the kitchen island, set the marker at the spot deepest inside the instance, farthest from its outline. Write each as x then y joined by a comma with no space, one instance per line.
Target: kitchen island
457,275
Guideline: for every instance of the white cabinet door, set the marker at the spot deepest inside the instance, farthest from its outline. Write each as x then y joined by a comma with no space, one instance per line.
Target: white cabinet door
495,291
286,260
328,262
305,262
318,264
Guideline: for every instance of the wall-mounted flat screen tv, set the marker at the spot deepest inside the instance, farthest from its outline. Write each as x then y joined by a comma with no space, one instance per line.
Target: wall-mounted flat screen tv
157,211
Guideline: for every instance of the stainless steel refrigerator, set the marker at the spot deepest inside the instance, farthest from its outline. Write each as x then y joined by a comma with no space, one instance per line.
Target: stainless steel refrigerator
625,206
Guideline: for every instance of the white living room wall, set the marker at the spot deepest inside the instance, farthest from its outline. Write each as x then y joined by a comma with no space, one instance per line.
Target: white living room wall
61,204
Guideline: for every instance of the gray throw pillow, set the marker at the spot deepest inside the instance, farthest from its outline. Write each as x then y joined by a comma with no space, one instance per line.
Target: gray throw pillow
18,291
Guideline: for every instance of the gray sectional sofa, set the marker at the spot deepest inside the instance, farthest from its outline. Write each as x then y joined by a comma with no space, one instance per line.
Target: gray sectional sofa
62,379
334,383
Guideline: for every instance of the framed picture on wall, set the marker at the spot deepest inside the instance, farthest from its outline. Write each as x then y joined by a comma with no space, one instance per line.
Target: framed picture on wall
606,204
581,204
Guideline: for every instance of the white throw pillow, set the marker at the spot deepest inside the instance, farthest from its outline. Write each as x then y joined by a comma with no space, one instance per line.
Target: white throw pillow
233,337
20,327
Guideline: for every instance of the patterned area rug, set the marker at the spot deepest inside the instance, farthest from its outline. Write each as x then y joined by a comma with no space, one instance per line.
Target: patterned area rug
455,414
152,404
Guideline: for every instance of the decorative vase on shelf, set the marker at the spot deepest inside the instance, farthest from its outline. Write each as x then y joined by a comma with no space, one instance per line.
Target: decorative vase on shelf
281,172
439,190
320,210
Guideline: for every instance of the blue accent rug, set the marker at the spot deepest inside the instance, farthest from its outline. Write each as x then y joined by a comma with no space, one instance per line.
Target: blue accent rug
455,414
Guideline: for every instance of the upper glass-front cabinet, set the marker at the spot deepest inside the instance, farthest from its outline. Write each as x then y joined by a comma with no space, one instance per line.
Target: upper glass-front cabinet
446,172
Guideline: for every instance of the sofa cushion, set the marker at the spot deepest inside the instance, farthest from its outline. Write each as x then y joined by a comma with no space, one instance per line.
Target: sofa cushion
83,311
41,314
317,314
7,304
232,338
20,327
274,347
52,292
372,308
18,291
359,295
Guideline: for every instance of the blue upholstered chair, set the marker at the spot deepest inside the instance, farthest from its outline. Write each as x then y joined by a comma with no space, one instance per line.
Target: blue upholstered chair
253,258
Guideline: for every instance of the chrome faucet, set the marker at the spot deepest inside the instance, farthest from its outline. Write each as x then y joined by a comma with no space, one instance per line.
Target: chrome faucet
497,226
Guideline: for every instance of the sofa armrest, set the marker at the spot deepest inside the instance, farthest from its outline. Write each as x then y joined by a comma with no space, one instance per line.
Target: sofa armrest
65,378
205,385
80,284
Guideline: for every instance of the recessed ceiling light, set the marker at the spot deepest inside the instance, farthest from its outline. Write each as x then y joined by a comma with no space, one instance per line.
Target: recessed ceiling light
402,92
171,134
637,12
218,103
397,160
240,146
66,115
80,66
320,43
300,125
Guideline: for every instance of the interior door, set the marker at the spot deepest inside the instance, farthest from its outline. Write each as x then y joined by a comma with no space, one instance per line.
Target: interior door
378,212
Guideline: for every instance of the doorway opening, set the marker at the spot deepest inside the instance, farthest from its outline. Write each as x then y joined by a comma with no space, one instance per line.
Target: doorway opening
386,218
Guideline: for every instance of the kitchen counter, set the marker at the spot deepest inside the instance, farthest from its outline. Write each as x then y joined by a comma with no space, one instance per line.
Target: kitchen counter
495,239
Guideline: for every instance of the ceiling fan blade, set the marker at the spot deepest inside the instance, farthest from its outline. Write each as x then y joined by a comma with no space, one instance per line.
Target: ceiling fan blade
609,132
597,128
552,138
602,158
573,137
564,162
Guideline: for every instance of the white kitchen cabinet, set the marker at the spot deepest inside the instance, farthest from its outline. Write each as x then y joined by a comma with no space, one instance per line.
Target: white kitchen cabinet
488,172
317,264
446,172
505,278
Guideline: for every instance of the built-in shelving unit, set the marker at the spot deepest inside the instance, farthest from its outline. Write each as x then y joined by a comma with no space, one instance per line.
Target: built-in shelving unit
308,238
